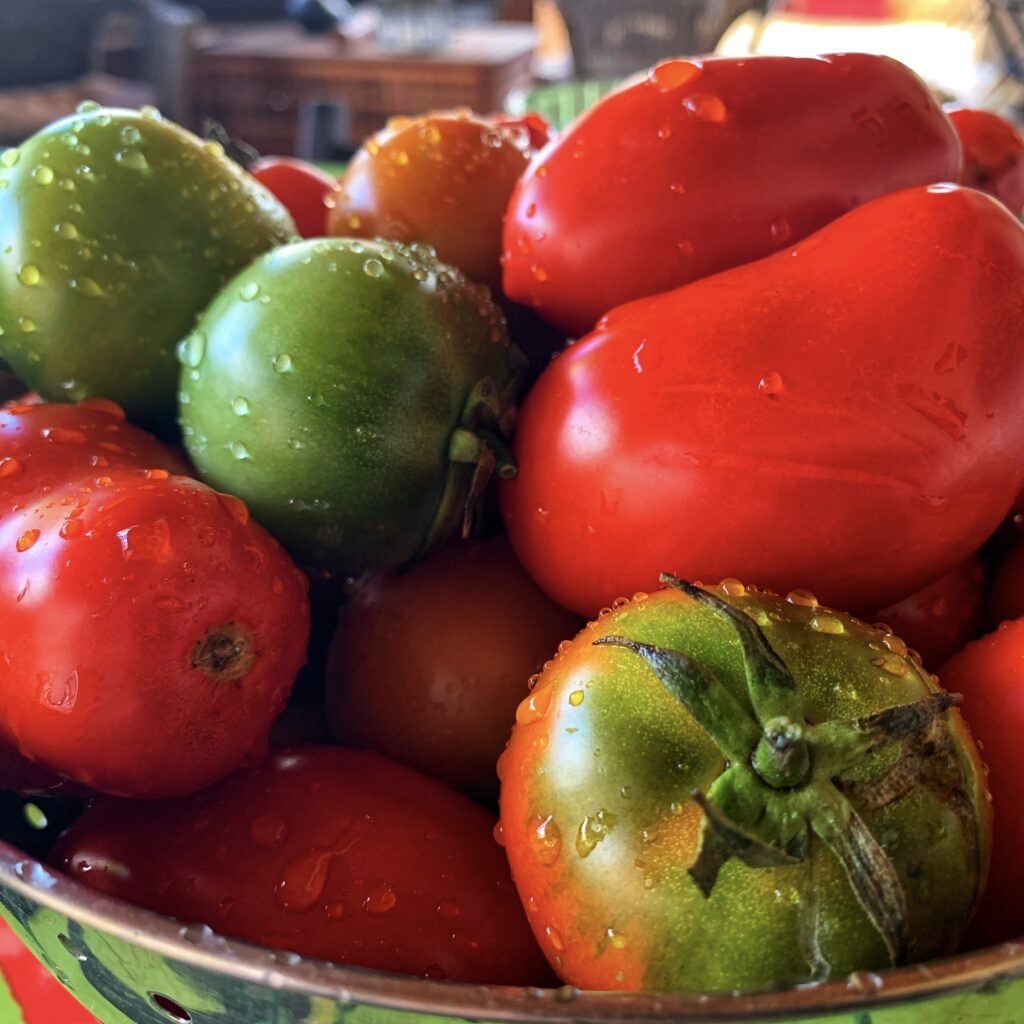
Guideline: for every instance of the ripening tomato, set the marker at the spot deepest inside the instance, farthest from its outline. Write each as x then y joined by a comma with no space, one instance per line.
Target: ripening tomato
330,853
44,445
707,164
151,631
990,675
428,667
993,155
836,416
940,619
442,179
302,189
703,794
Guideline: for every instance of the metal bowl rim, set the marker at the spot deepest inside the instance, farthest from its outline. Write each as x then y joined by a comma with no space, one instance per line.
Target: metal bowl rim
248,963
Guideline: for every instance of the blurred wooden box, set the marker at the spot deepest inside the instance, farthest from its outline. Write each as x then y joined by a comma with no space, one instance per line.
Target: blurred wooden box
256,79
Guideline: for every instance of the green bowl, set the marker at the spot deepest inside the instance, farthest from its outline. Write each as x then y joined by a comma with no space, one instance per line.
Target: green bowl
130,966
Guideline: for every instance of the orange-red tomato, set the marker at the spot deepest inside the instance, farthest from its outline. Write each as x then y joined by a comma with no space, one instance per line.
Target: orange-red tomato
990,675
993,155
940,619
442,179
428,667
330,853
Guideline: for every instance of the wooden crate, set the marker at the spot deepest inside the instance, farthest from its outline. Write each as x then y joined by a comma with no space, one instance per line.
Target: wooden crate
256,79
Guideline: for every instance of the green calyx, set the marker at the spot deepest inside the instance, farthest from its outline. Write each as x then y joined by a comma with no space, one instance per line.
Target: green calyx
786,783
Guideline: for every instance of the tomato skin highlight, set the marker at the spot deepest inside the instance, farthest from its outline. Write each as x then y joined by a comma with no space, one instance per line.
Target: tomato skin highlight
708,164
600,824
769,423
993,156
302,189
990,675
181,627
330,853
398,683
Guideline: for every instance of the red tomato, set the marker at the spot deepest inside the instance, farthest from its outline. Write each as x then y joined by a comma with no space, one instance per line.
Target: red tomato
329,853
442,179
938,620
836,417
302,188
993,155
990,675
538,131
44,445
704,165
39,998
428,667
151,632
1006,594
22,776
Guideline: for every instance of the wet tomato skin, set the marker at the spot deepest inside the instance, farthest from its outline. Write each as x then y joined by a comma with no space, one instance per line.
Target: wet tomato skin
799,447
43,445
601,828
331,853
152,632
989,673
993,155
942,618
428,666
302,189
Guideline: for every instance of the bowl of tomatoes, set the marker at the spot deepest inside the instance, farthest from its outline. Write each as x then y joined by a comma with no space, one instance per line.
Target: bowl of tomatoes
356,658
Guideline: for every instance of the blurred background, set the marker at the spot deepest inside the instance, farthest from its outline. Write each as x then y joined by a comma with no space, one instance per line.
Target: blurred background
314,77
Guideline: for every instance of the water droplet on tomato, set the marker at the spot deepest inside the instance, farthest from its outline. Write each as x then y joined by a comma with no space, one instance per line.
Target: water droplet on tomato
771,385
893,664
576,698
235,507
555,938
42,174
249,291
27,325
303,880
9,157
827,624
133,159
29,275
104,405
239,451
534,707
685,247
780,231
10,466
448,909
732,588
545,839
71,528
802,598
380,899
192,349
283,363
240,406
373,267
539,273
706,108
146,542
671,74
26,540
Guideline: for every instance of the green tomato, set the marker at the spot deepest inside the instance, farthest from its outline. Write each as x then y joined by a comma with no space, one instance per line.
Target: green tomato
355,394
116,229
716,789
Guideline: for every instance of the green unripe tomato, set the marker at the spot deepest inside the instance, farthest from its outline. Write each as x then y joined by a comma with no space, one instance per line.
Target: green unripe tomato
116,229
354,394
714,789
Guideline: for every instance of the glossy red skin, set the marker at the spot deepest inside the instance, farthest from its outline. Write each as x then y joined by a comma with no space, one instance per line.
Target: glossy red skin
837,417
643,194
301,187
40,997
22,776
43,445
330,853
429,666
100,622
943,617
990,675
993,155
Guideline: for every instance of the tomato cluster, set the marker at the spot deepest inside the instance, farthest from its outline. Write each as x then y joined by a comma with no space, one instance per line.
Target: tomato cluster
799,363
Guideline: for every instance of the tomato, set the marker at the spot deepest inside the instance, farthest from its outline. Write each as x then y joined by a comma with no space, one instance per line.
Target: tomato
538,131
428,667
704,165
116,230
181,627
22,776
1005,600
301,187
990,675
700,794
941,618
793,421
329,853
44,445
993,155
442,179
35,996
355,395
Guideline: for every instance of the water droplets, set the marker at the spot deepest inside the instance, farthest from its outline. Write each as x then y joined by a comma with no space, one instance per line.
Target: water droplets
27,325
540,275
192,349
87,286
593,828
29,275
892,664
576,698
239,452
26,541
380,899
672,74
771,385
240,406
9,158
66,230
373,267
302,881
42,175
780,231
283,363
249,291
705,107
802,598
10,466
130,135
87,107
534,707
545,839
827,624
